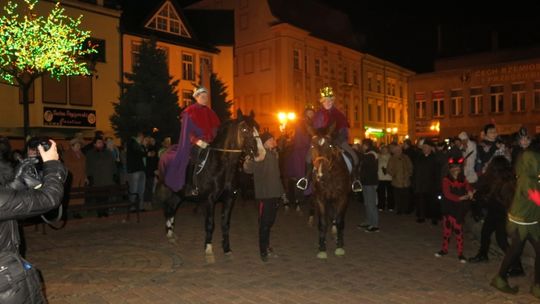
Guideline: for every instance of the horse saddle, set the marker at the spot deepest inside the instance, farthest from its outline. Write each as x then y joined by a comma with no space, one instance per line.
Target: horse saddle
348,160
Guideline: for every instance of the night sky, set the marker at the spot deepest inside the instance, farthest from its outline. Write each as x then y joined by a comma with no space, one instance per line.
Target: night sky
406,32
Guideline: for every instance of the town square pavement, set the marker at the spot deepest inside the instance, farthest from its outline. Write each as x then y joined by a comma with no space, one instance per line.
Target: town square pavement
105,260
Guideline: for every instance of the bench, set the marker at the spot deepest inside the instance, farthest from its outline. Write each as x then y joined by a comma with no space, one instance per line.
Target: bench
103,197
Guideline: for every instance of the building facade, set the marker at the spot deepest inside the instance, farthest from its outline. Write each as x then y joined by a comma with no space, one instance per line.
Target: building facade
191,57
76,103
465,93
283,57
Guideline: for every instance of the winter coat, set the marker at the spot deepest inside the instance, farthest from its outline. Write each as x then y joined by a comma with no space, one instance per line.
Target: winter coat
369,166
135,156
401,169
266,175
19,204
76,164
383,167
426,174
100,167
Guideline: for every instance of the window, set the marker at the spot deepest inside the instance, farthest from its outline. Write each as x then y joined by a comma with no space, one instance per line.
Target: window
54,91
369,77
355,77
356,116
379,83
296,59
345,75
497,98
167,20
248,62
370,110
188,69
187,98
477,101
518,97
420,105
438,103
400,91
391,115
401,116
379,112
205,63
80,90
537,95
135,54
317,67
456,101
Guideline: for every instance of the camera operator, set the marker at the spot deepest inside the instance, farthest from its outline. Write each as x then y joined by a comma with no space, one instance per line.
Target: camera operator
20,197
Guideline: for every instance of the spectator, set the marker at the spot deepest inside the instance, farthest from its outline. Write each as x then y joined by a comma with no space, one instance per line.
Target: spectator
468,147
101,170
426,177
75,162
368,176
384,188
400,168
17,201
135,168
151,167
487,148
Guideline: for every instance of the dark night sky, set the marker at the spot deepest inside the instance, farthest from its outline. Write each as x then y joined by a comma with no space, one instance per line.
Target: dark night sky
406,32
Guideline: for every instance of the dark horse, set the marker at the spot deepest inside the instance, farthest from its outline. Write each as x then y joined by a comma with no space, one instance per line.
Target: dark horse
216,180
331,187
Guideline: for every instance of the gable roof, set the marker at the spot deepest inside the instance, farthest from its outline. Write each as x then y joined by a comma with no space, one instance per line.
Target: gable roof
318,19
137,14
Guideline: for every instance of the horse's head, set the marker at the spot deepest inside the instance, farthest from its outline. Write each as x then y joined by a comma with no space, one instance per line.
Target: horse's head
323,150
247,133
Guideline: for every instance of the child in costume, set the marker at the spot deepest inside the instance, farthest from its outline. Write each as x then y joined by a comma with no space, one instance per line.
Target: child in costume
456,192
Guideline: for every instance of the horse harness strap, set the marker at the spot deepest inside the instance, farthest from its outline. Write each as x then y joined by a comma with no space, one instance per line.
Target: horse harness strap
227,150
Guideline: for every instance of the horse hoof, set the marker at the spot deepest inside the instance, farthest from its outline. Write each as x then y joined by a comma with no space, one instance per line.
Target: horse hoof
210,259
171,235
208,250
228,253
339,252
322,255
334,230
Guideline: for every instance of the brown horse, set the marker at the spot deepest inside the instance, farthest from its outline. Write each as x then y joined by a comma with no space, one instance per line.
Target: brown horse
331,187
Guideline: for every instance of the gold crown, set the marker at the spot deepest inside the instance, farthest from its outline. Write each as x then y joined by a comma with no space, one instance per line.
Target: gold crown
327,92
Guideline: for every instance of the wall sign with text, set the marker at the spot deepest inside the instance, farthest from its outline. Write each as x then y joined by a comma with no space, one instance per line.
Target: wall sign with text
68,117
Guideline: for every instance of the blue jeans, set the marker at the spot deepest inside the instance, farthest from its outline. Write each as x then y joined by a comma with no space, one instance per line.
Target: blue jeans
136,182
369,192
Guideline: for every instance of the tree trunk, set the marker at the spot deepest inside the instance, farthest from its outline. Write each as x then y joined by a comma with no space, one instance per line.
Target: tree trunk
26,109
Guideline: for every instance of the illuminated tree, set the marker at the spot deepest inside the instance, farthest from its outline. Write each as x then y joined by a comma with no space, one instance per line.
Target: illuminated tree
32,46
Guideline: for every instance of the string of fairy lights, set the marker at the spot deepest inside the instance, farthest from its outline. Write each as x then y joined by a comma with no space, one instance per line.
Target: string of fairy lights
34,45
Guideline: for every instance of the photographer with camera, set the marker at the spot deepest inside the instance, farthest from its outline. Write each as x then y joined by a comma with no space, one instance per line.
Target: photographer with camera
24,195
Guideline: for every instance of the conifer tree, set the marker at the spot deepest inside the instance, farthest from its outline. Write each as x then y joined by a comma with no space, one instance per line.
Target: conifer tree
149,102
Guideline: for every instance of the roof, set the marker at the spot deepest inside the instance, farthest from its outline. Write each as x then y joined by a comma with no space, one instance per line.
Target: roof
318,19
136,14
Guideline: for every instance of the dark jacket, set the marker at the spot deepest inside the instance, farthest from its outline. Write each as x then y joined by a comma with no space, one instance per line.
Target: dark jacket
100,168
19,204
426,174
266,176
369,168
135,155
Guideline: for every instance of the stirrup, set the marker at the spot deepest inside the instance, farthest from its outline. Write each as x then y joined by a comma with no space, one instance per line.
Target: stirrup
356,186
302,184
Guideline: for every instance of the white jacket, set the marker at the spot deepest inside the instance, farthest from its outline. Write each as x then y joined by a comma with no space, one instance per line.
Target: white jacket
468,169
383,163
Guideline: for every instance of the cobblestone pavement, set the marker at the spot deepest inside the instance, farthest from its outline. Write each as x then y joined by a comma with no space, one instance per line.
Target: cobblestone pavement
102,260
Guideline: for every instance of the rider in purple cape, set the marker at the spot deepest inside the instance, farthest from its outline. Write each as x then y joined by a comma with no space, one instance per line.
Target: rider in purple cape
199,127
295,164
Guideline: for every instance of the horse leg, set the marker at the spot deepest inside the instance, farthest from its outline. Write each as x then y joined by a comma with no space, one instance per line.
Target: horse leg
323,225
226,212
340,225
170,205
209,227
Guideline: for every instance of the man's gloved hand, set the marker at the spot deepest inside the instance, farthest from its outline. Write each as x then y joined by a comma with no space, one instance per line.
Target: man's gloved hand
26,175
202,144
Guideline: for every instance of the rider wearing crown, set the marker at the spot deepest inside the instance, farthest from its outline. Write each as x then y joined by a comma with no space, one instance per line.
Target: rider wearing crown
199,127
327,115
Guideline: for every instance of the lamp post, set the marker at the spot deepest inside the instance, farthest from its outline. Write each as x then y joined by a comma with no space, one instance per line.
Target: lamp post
284,118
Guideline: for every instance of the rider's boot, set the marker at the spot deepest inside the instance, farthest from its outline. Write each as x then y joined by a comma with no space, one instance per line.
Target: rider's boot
303,183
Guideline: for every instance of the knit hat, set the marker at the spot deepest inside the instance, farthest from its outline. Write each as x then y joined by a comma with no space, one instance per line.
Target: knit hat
463,135
266,136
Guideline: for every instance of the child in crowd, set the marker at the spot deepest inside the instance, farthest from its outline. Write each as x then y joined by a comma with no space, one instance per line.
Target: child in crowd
456,191
268,189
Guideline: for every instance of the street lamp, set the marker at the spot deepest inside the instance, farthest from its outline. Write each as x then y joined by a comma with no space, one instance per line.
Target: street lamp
283,118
